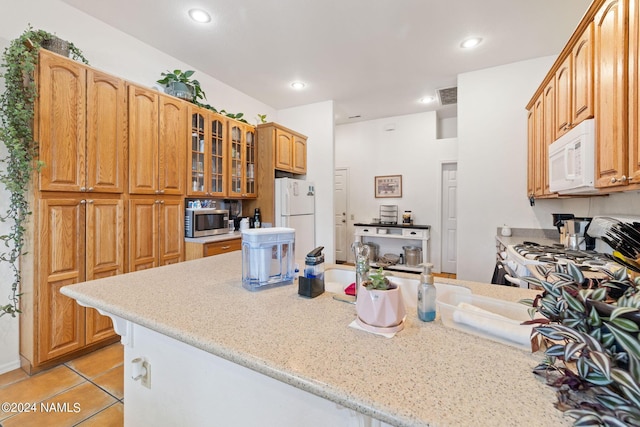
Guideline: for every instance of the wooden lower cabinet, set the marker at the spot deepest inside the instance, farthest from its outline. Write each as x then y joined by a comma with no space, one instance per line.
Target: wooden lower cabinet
156,232
200,250
74,240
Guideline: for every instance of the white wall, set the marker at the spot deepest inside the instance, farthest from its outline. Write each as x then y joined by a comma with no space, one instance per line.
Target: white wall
316,122
411,150
115,52
492,168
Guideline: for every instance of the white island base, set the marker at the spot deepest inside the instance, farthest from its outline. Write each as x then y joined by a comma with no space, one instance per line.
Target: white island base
190,387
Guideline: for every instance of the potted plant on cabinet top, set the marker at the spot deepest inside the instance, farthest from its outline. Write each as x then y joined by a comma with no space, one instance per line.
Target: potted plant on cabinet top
379,305
179,84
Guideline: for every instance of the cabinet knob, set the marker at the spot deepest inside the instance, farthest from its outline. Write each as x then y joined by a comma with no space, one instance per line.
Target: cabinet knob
157,192
161,191
90,202
162,202
83,188
90,189
82,202
623,178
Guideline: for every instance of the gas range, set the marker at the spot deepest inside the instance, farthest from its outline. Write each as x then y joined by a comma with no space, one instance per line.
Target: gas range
529,253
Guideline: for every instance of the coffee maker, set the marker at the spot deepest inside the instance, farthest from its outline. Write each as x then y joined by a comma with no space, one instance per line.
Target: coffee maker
578,227
559,220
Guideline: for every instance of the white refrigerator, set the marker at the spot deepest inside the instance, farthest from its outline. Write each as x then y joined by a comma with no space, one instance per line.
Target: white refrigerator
295,208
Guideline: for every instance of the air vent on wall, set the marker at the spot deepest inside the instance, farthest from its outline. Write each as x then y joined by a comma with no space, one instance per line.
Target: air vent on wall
448,96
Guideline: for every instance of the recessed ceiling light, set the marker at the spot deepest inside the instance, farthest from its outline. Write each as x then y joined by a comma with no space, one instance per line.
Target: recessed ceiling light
298,85
470,42
199,15
427,99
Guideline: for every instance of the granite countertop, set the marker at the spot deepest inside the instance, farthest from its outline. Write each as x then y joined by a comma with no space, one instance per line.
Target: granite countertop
426,375
217,238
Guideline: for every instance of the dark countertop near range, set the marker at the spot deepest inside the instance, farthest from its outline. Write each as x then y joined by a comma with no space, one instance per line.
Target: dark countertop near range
422,227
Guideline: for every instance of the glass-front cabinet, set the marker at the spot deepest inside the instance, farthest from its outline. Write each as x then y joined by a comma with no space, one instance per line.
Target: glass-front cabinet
207,154
242,160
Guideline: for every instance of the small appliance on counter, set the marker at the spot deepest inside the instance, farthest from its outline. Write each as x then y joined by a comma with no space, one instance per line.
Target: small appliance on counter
312,283
267,257
406,218
559,220
201,222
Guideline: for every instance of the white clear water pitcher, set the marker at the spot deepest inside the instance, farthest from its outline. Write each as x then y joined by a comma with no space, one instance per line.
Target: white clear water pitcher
268,257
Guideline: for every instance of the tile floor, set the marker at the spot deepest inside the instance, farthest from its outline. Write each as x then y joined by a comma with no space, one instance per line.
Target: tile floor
87,391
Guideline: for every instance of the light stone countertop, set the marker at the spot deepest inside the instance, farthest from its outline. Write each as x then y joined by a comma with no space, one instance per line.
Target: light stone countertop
217,238
426,375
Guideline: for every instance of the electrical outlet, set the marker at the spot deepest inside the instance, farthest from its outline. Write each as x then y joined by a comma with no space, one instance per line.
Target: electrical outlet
146,379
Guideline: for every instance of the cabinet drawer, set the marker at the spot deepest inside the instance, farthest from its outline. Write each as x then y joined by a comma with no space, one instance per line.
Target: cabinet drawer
365,230
414,233
217,248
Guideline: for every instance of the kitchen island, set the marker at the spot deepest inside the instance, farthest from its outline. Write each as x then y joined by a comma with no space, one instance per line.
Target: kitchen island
221,355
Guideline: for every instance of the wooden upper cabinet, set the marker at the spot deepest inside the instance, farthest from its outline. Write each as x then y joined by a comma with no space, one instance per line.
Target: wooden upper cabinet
610,54
283,159
634,94
582,92
538,148
82,125
171,141
242,160
563,98
207,154
531,163
143,140
61,123
574,85
299,155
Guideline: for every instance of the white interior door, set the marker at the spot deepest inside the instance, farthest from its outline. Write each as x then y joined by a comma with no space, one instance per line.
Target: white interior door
449,218
340,192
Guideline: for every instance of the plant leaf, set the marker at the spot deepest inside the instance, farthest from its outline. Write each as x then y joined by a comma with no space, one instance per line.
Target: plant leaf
575,272
584,418
573,302
629,343
601,362
626,324
571,349
610,421
621,310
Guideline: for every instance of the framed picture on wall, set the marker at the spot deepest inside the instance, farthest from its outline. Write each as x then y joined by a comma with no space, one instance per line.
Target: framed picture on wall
388,186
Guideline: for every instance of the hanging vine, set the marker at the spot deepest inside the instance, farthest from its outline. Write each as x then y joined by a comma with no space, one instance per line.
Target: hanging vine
19,62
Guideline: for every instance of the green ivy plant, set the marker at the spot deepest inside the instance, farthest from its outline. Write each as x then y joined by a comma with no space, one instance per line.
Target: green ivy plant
592,354
19,62
184,77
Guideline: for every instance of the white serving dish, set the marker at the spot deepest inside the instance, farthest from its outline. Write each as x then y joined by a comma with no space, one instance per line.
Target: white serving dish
486,317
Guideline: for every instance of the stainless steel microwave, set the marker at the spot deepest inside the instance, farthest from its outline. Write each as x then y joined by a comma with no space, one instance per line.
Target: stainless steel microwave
200,222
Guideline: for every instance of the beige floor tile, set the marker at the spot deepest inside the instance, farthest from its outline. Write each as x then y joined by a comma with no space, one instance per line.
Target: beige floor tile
113,416
74,405
39,387
12,377
112,381
99,361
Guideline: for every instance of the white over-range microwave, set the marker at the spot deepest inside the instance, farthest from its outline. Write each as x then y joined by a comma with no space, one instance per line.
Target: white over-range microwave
572,161
201,222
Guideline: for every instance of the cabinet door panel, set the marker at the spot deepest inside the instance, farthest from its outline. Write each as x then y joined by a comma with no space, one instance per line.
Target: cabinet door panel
106,132
60,319
610,79
236,161
105,238
284,154
173,131
634,93
143,234
299,155
171,231
143,141
582,99
61,123
563,98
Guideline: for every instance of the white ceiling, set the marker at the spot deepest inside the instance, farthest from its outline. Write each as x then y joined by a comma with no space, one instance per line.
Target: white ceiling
374,58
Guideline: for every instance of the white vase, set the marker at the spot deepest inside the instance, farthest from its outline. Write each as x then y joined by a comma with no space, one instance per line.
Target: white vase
381,309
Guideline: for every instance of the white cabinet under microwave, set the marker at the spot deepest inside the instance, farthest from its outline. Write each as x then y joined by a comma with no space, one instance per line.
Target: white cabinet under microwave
572,161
